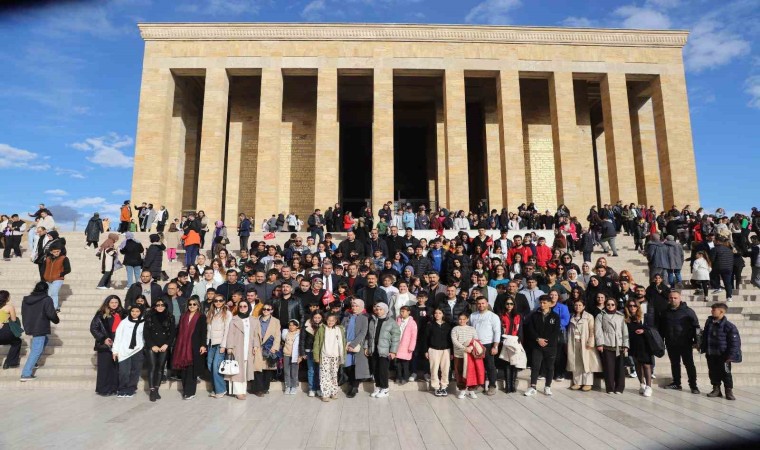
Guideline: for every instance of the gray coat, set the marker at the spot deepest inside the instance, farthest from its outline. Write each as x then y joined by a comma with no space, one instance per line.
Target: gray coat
611,330
657,254
675,255
360,332
390,335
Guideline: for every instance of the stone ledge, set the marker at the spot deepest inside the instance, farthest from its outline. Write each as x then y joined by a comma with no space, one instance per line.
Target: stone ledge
411,33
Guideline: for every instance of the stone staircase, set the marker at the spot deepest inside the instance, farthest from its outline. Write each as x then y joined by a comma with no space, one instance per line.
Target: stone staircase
69,360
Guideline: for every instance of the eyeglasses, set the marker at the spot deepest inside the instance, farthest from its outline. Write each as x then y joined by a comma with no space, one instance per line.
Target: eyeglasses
610,304
218,301
267,309
193,304
633,306
510,304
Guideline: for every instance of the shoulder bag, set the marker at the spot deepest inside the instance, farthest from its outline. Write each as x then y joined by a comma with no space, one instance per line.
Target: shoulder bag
229,366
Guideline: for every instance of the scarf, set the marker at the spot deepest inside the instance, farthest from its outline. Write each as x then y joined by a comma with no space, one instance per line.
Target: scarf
241,314
116,321
109,242
128,236
137,322
183,352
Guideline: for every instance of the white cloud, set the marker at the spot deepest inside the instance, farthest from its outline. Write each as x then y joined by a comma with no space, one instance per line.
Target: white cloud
314,10
87,205
642,18
578,22
120,192
107,150
663,3
56,192
492,12
752,88
712,45
16,158
69,172
222,7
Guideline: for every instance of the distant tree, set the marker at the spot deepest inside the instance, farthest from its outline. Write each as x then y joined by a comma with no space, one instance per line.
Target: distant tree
64,213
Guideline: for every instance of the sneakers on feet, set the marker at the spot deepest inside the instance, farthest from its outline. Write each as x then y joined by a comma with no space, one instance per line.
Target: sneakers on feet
717,291
319,392
729,299
444,392
461,394
541,377
472,394
312,394
437,393
695,390
413,377
30,378
530,392
188,397
648,391
375,392
633,375
642,388
383,393
676,387
548,391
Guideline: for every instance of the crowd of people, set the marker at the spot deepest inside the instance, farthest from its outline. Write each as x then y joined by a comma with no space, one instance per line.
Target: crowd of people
470,310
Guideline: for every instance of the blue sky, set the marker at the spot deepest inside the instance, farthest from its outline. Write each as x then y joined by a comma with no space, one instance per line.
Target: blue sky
71,81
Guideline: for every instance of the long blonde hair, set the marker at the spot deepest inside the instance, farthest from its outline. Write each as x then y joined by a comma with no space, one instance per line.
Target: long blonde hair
210,314
639,315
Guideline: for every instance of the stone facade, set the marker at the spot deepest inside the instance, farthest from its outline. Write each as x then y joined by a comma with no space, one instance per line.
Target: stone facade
246,118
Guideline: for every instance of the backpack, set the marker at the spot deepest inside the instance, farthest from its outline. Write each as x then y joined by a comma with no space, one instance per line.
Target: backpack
655,344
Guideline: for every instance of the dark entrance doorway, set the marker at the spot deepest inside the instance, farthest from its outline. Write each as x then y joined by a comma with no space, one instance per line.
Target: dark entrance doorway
355,116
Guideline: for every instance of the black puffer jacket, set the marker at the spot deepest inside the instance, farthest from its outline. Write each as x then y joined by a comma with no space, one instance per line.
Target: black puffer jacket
154,259
722,258
680,327
132,252
157,332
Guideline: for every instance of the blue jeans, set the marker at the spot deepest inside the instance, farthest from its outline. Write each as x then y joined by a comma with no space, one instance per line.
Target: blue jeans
53,288
312,372
191,253
215,358
37,347
318,232
133,274
674,275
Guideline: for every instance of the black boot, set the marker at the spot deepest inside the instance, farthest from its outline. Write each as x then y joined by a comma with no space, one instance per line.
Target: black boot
715,392
508,379
514,379
158,396
352,392
730,394
152,395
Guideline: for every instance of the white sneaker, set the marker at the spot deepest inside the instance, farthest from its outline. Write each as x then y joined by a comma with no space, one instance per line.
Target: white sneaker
101,288
729,299
717,291
648,391
375,392
472,394
383,393
547,391
413,377
541,377
642,388
633,375
530,392
319,393
653,376
312,394
462,394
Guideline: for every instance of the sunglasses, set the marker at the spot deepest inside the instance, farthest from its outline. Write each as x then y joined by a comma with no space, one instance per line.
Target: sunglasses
633,306
218,301
610,304
267,309
193,304
510,304
161,305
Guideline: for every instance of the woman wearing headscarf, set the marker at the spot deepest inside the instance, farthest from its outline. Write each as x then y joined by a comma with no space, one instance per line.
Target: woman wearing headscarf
218,319
572,281
132,250
103,328
243,341
160,332
127,350
108,258
265,361
612,342
594,287
383,337
330,352
190,347
357,364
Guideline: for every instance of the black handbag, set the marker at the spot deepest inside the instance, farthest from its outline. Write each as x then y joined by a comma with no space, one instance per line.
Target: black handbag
15,326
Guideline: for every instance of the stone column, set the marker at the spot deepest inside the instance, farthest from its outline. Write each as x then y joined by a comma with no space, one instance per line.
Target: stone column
494,161
382,138
153,135
213,142
648,181
174,183
268,161
327,153
511,138
456,140
234,160
617,132
674,143
442,190
568,165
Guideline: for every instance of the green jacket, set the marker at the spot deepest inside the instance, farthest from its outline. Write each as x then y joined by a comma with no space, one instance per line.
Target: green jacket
319,342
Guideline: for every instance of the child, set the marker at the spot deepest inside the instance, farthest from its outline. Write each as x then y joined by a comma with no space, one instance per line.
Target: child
127,350
406,345
291,355
379,259
172,242
382,227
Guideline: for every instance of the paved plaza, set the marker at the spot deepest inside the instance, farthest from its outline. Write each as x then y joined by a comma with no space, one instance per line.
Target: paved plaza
407,419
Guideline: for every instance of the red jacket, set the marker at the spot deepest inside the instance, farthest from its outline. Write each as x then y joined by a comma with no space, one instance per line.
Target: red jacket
526,253
543,255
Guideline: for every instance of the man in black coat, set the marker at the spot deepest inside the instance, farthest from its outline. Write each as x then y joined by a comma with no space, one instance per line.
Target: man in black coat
375,242
351,246
521,302
230,286
680,329
147,287
452,305
544,328
37,312
372,293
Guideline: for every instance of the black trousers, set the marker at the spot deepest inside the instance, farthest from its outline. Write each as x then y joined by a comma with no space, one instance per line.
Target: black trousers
123,227
403,369
12,243
8,338
614,371
380,368
105,280
189,381
160,227
676,354
156,361
542,357
129,373
351,374
490,364
244,242
108,374
261,381
719,371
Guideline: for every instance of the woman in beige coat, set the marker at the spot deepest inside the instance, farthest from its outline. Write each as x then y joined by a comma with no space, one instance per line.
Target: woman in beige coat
582,358
263,366
243,340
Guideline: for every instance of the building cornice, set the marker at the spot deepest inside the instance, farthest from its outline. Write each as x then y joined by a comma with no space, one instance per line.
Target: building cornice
410,33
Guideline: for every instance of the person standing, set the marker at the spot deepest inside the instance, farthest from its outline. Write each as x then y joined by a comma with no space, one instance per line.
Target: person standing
103,328
243,342
190,347
407,344
161,217
383,338
108,259
57,266
611,335
356,325
754,260
92,231
127,349
154,257
643,359
125,217
306,343
488,328
439,347
722,258
7,337
679,328
244,231
582,358
330,353
159,333
468,358
265,361
721,346
132,250
37,312
218,320
544,328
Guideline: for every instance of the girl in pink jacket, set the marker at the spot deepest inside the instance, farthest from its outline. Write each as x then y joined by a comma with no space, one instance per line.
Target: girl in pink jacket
406,345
